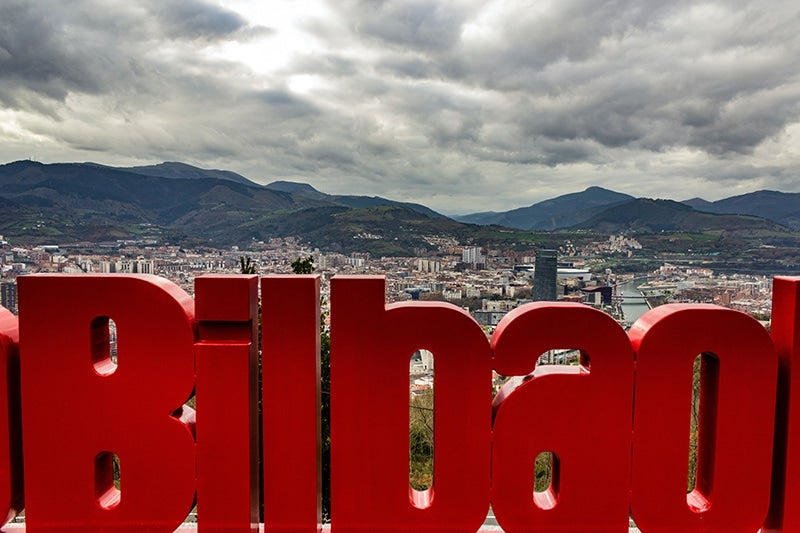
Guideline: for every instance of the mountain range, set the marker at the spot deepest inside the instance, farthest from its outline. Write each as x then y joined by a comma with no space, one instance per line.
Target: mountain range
179,203
780,207
556,213
591,208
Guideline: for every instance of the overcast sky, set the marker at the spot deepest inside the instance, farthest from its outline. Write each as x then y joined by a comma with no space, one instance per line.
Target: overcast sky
463,106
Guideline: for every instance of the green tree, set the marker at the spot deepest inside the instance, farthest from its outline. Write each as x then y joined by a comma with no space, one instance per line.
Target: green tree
246,266
420,438
303,266
325,416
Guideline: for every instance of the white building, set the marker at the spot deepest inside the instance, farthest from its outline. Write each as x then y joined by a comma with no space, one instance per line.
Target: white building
473,256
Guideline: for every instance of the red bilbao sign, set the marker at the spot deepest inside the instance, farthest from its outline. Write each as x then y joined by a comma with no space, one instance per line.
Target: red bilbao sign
618,423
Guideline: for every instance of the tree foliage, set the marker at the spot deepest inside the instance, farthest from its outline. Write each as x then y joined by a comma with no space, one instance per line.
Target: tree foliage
325,416
246,266
420,439
303,266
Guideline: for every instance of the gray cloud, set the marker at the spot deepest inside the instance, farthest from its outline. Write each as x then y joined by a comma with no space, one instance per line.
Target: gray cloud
619,74
424,25
52,49
197,19
473,105
34,56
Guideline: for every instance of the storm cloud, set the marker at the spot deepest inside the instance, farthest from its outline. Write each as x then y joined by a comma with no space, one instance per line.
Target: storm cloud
462,105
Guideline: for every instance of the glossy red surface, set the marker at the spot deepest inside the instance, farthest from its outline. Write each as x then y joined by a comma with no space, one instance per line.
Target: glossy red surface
579,413
78,410
291,400
11,491
784,513
226,355
371,346
737,406
618,423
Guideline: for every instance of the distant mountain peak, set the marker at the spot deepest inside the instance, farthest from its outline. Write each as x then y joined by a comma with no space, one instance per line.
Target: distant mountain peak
780,207
559,212
649,215
698,203
291,187
23,163
172,164
178,170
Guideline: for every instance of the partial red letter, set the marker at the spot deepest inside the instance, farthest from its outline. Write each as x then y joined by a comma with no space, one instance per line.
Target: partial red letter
227,403
291,403
784,513
81,409
736,417
581,414
371,347
10,438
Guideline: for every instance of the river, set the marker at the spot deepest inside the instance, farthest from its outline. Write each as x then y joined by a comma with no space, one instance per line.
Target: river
633,305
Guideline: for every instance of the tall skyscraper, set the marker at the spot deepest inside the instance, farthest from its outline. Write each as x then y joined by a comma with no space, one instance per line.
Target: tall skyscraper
545,276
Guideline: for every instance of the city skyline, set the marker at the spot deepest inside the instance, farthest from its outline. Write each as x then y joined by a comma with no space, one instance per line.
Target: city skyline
461,106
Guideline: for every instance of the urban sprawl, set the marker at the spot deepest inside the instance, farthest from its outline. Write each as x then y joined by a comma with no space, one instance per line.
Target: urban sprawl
487,282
